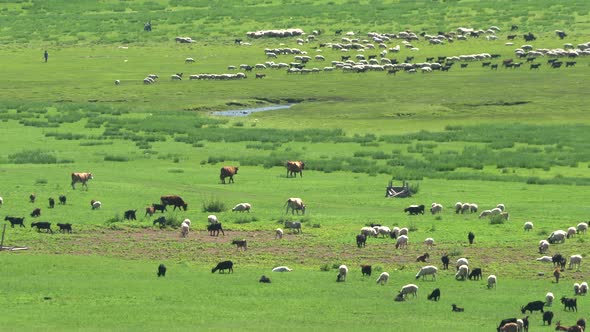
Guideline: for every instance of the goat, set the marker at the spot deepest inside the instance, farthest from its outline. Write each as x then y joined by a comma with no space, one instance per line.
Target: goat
222,266
456,308
65,228
569,303
161,270
264,279
435,295
240,244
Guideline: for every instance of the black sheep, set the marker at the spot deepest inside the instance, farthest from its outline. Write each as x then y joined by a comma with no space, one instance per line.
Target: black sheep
445,260
222,266
470,237
36,212
161,270
361,240
547,317
435,295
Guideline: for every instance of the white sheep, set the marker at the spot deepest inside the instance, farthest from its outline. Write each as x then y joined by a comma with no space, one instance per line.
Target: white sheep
403,231
342,272
429,242
473,207
462,273
175,77
408,289
212,219
242,207
117,82
278,233
528,226
96,205
583,288
436,208
189,60
545,259
576,288
427,270
575,260
485,213
571,232
466,207
282,269
543,246
184,229
582,227
369,231
461,261
1,201
402,242
501,206
383,230
549,299
383,278
492,281
496,211
187,221
458,207
557,236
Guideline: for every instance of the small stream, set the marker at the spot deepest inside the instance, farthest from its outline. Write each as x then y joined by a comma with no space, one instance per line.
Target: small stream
248,111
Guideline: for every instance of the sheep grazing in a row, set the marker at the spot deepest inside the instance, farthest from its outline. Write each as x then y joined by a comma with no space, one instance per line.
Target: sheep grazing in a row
280,33
219,77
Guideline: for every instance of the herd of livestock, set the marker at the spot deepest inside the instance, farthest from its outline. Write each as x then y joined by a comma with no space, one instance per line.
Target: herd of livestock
382,52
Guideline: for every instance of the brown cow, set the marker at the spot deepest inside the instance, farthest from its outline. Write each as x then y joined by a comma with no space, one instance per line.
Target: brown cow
82,178
294,167
174,200
228,171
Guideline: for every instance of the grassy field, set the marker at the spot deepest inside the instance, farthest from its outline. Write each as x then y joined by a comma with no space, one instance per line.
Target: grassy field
513,136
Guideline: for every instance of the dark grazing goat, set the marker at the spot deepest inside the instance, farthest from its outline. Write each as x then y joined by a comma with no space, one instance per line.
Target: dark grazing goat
65,228
361,240
15,221
161,270
264,279
569,303
457,309
42,225
214,229
222,266
240,244
366,270
435,295
475,274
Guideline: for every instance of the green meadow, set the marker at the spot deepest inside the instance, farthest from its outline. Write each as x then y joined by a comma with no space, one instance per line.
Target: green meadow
512,136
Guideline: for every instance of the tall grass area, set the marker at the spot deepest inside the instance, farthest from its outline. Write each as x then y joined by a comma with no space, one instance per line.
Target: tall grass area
514,136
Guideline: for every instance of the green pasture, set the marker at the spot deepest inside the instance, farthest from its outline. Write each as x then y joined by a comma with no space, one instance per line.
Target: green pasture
513,136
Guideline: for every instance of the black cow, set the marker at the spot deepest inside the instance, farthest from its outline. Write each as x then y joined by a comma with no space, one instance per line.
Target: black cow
65,228
214,229
42,225
130,215
51,203
15,221
475,274
415,209
222,266
533,306
435,295
361,240
161,270
175,201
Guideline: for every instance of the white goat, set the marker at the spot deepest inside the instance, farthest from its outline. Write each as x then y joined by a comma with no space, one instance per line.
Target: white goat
427,270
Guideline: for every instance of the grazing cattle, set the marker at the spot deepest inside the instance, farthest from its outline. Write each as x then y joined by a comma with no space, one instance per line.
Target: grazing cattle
456,308
569,303
15,221
161,221
130,214
214,229
36,213
296,225
42,225
366,270
240,244
150,210
547,317
51,203
158,207
533,306
435,295
361,240
264,279
65,228
295,204
161,270
222,266
32,198
415,209
174,200
82,178
228,171
62,199
294,167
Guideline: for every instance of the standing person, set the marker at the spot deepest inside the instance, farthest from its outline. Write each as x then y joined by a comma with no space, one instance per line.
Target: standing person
46,55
